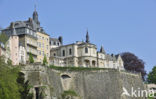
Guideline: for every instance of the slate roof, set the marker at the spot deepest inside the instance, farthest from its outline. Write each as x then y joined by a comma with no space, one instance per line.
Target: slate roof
54,39
30,23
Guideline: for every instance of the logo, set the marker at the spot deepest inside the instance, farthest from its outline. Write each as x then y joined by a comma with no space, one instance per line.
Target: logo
125,92
137,93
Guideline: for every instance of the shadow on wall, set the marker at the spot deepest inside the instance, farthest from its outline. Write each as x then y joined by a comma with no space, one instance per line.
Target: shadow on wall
66,81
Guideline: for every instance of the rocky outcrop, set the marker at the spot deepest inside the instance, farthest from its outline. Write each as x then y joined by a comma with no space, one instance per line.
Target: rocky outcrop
84,84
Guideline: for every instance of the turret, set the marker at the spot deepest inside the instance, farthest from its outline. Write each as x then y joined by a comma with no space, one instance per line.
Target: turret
60,40
87,37
35,16
13,29
102,50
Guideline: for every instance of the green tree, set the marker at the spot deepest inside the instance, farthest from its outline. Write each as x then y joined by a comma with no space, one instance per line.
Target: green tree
31,59
24,87
45,60
152,76
9,88
12,82
9,62
3,38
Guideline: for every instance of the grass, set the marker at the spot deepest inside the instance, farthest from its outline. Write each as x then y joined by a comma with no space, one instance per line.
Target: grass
68,93
75,68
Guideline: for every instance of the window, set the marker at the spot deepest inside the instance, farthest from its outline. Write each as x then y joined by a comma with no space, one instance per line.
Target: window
54,43
27,31
47,47
63,52
86,50
43,45
70,51
54,54
39,52
43,53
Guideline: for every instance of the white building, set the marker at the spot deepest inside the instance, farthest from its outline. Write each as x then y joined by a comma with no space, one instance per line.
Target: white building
83,54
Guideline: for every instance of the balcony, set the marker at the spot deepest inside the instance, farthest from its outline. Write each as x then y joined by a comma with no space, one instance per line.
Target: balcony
33,52
32,44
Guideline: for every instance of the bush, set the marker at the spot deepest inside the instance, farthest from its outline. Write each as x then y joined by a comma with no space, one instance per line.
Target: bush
75,68
31,59
68,93
45,60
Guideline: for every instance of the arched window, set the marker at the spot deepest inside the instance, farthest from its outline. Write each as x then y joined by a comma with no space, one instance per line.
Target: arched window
86,50
54,54
70,51
63,52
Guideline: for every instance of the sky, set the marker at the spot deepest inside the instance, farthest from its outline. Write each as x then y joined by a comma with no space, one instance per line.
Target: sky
118,25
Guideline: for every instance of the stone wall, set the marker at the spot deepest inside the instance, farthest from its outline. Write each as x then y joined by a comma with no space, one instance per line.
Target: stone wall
99,84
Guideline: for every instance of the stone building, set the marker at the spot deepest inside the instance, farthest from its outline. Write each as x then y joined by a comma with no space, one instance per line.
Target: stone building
84,54
12,49
54,42
28,32
43,46
14,46
28,36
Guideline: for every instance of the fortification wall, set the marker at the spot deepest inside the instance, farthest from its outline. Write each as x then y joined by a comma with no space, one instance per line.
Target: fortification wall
95,84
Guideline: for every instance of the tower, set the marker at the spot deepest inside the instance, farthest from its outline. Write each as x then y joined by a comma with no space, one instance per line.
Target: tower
102,50
35,16
14,43
87,37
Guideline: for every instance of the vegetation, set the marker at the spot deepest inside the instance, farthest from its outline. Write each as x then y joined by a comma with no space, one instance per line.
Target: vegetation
9,62
133,63
75,68
152,76
31,59
45,60
24,87
3,38
11,84
68,93
8,86
152,95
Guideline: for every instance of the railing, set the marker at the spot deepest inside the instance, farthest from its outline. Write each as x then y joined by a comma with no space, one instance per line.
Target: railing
32,52
32,44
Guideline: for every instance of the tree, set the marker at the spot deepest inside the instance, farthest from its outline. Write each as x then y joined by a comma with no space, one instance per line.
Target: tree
3,38
31,59
9,88
9,62
152,76
12,82
133,63
24,87
45,60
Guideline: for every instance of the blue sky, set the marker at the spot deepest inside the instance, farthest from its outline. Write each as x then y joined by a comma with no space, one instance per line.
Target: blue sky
118,25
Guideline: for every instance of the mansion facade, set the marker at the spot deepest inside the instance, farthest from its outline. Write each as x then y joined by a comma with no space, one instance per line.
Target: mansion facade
28,37
84,54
